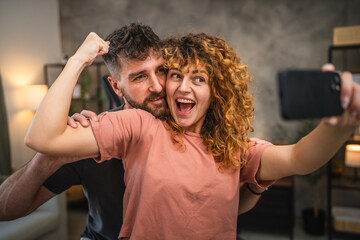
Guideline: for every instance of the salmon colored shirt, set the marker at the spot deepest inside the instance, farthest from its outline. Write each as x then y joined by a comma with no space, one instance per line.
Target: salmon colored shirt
172,192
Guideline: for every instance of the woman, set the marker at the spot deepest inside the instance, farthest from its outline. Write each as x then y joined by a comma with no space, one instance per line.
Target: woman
185,181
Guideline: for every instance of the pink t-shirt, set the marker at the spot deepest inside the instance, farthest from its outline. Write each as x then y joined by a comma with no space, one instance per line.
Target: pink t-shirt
172,192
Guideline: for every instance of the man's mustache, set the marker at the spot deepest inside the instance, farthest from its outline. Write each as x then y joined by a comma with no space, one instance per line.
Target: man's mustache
162,94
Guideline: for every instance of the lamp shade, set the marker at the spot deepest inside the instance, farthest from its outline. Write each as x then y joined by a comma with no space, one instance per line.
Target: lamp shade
352,155
32,96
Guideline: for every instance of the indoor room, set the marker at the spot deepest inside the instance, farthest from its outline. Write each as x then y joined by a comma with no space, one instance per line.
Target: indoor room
38,39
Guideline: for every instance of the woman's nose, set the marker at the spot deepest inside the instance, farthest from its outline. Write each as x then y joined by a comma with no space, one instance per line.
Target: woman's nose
184,85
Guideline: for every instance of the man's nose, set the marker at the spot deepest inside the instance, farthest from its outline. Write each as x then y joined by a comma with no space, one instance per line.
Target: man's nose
156,84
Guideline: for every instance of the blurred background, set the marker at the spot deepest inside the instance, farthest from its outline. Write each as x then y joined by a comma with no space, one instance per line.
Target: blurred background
38,35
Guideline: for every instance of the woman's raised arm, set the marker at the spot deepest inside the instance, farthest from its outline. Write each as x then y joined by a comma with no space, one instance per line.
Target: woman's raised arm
49,132
317,148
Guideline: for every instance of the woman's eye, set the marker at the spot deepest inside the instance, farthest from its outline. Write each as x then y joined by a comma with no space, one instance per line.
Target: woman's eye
175,76
199,79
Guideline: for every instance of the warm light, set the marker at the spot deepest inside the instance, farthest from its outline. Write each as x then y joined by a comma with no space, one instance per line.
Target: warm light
352,155
32,96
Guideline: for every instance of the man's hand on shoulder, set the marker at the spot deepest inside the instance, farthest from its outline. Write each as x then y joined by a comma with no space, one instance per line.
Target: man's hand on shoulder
82,118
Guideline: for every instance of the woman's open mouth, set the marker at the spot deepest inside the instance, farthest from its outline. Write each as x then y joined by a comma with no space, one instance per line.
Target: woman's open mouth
184,106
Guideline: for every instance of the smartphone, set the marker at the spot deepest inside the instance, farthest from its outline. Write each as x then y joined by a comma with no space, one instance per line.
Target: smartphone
308,94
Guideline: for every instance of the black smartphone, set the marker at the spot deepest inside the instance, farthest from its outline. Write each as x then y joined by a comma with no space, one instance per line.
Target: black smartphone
308,94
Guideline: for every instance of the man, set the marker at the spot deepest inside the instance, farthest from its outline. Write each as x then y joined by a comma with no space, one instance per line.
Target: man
135,64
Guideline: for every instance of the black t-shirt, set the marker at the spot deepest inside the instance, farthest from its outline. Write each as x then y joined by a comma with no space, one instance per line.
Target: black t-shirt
103,185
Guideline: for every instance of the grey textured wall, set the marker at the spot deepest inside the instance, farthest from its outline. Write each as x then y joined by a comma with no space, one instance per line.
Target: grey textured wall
268,35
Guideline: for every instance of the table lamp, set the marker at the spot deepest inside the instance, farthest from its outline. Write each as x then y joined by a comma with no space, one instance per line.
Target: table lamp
352,158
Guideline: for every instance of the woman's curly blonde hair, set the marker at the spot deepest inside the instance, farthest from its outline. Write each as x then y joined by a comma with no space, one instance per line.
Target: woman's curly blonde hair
227,123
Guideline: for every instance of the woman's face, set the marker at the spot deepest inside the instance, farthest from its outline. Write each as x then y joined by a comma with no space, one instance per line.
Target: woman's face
188,96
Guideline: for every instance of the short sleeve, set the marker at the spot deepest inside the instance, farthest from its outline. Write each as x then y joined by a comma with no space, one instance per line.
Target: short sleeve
253,157
68,175
117,132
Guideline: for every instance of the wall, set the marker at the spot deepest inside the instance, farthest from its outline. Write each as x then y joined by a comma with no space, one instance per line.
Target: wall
30,37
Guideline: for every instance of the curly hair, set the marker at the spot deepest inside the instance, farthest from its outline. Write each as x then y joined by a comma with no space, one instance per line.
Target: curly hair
227,123
134,42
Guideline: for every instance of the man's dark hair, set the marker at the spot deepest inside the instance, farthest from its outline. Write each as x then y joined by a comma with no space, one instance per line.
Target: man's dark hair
133,42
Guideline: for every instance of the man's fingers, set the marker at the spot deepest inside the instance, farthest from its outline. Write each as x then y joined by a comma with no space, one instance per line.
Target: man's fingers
346,89
89,115
81,119
71,122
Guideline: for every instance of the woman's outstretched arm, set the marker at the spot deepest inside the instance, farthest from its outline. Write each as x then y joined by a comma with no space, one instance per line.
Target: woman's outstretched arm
49,132
317,148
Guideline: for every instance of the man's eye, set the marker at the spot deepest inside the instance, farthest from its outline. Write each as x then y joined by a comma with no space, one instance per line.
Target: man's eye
140,77
161,70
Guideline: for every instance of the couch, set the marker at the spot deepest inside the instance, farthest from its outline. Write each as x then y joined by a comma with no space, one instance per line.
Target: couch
48,222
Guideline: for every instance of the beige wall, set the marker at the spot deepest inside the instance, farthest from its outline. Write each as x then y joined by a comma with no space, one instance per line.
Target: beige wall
30,37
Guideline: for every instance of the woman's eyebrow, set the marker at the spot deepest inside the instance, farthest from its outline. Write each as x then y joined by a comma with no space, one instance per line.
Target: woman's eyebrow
201,71
176,69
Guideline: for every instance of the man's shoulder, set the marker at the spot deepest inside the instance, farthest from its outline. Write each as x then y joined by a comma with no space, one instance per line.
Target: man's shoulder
117,108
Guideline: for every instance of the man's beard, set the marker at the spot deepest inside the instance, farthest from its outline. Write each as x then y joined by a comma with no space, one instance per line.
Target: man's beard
158,111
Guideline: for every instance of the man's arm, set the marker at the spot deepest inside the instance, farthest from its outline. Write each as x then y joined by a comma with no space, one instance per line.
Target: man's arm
248,199
22,192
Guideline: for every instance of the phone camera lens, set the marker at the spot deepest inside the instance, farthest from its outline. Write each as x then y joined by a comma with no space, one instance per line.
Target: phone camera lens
335,87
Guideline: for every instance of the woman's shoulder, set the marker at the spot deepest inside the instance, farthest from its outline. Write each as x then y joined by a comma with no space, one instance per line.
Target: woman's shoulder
257,146
257,141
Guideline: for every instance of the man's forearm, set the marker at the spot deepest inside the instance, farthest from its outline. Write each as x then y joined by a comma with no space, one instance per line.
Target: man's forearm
20,193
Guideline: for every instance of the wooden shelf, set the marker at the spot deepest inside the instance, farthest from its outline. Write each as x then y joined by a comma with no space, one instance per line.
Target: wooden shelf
346,180
97,101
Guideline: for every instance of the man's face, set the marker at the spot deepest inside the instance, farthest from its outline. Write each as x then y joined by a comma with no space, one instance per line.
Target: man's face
142,84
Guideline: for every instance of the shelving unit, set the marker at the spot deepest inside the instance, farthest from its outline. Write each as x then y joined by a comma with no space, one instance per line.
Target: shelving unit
95,99
343,181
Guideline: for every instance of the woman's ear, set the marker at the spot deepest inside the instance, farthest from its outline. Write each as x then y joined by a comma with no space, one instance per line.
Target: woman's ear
115,84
